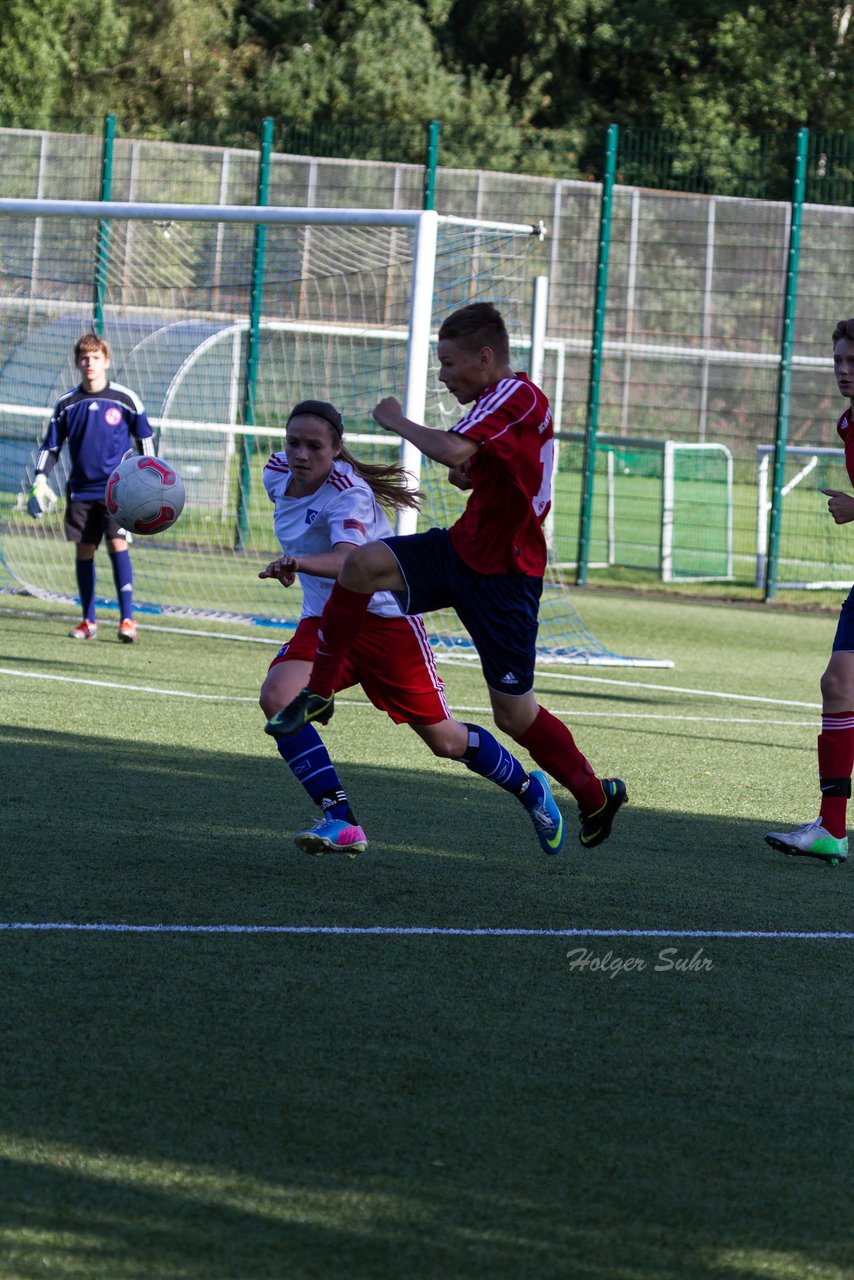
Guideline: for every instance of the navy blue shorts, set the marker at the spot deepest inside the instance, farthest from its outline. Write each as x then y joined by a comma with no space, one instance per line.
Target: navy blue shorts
844,638
499,610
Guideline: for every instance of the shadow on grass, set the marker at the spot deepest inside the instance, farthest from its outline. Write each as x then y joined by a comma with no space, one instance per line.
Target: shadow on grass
101,830
263,1107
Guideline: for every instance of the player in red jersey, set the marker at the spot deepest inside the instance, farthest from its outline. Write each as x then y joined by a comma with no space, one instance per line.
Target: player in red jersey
326,503
488,567
827,837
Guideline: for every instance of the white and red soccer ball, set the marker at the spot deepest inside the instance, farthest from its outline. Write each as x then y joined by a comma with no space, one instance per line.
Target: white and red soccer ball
145,495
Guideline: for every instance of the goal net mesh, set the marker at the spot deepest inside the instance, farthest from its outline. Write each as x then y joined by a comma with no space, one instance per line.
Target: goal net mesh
333,311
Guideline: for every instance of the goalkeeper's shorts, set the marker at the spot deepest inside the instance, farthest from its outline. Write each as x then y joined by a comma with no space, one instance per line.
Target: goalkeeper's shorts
90,522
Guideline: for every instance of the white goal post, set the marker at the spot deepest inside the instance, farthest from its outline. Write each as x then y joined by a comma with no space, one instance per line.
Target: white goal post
424,223
347,310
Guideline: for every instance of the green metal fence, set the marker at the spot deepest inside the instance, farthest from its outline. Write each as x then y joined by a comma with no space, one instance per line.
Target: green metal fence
707,320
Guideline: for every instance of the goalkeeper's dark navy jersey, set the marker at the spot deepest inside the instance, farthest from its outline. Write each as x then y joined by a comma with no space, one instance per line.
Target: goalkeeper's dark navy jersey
98,426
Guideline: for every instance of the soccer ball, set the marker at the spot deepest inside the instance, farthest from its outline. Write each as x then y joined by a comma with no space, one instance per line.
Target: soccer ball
145,495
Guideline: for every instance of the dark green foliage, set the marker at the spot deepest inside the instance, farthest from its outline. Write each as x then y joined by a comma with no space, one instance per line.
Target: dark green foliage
528,86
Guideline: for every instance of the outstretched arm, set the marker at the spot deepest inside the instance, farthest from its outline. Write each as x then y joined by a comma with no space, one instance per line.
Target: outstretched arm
447,447
327,564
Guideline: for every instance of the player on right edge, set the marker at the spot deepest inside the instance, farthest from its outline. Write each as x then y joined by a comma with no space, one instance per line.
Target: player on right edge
827,837
488,567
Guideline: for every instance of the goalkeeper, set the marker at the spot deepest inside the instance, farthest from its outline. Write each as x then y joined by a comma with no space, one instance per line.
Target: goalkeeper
100,420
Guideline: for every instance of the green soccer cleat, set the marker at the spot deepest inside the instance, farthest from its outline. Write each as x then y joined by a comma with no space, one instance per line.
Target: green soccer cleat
306,706
596,826
810,841
546,817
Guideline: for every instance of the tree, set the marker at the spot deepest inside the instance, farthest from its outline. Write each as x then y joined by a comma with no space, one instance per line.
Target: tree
57,58
368,62
182,65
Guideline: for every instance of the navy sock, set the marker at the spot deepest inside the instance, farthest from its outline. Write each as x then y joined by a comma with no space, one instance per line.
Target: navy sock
123,578
486,756
309,762
85,570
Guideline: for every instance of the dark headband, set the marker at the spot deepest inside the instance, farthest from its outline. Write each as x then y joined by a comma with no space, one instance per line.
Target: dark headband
319,409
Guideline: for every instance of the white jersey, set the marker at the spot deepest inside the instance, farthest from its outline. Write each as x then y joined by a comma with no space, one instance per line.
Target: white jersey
343,509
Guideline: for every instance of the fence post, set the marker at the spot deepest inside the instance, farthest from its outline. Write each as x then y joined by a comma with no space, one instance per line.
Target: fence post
589,465
253,338
430,164
784,383
103,226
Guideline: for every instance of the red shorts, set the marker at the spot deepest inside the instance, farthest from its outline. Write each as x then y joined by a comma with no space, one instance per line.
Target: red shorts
393,662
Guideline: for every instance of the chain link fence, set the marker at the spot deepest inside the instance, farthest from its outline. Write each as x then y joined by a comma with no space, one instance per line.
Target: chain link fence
693,312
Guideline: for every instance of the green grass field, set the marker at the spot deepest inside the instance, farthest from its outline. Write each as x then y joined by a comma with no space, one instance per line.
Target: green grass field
423,1062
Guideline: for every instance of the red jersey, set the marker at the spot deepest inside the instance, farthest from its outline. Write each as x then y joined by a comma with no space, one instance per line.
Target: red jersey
843,427
500,530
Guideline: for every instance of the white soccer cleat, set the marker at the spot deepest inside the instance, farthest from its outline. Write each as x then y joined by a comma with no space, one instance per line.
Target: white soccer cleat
810,841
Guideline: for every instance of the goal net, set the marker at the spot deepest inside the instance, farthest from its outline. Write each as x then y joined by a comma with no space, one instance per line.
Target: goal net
221,318
813,552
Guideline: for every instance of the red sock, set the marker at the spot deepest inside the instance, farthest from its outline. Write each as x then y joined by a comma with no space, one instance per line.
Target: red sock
835,763
553,747
340,623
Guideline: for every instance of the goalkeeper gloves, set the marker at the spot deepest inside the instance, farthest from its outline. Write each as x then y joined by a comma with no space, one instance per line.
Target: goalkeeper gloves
41,497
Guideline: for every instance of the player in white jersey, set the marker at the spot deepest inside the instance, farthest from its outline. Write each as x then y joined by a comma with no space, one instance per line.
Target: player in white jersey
327,502
343,509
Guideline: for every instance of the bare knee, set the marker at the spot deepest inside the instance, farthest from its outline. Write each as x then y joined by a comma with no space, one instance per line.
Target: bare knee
447,739
837,684
356,573
505,720
513,719
282,684
371,567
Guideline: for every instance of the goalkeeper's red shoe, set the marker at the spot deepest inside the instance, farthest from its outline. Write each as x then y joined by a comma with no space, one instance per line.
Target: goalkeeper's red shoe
84,630
127,630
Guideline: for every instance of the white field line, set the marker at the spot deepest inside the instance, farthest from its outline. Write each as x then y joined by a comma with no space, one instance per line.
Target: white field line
430,931
459,662
14,673
127,688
